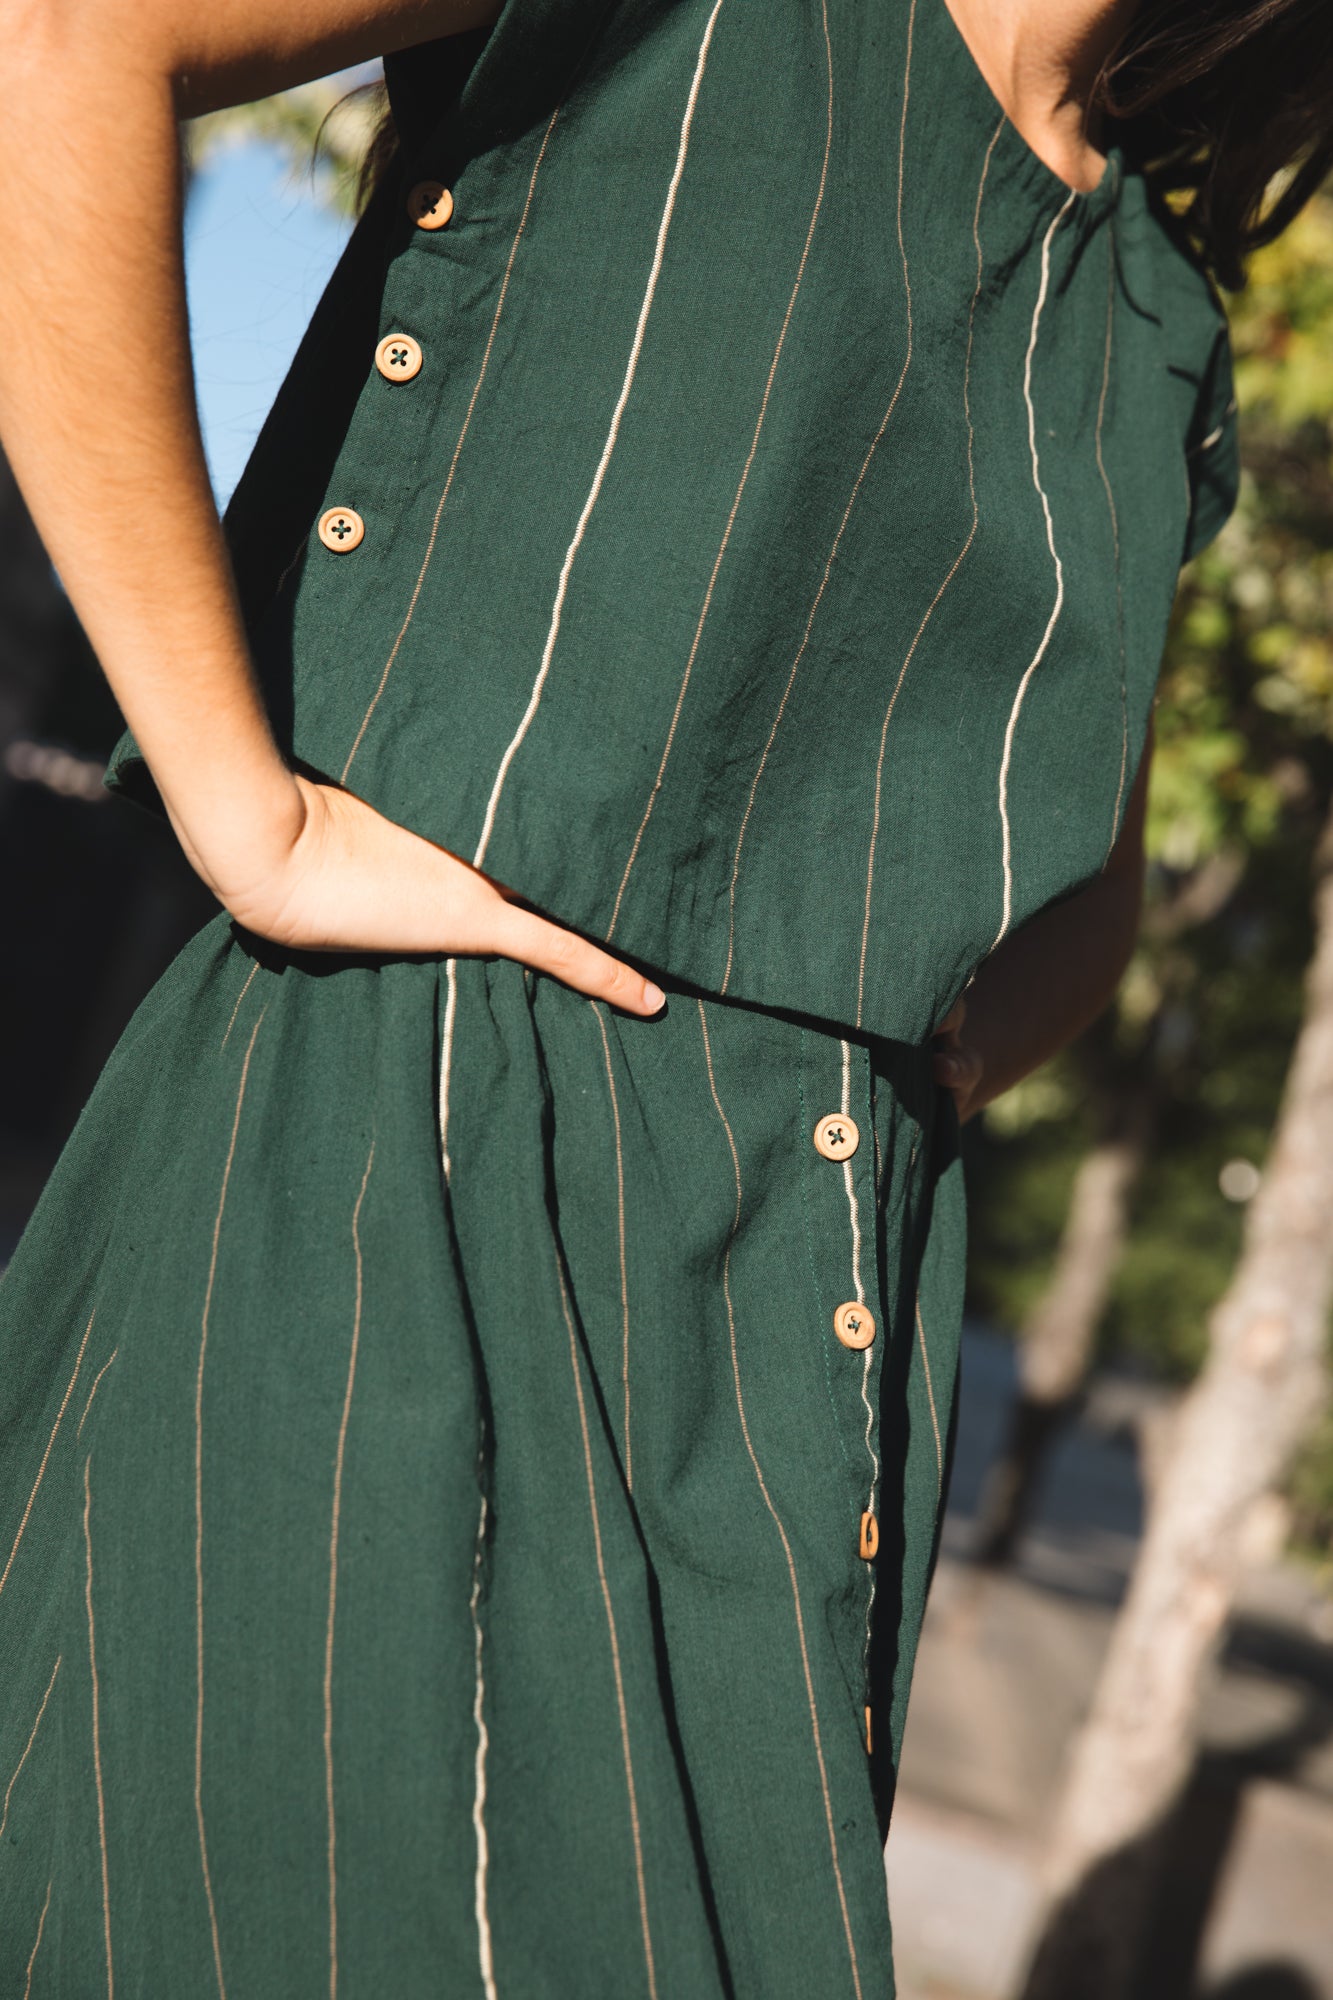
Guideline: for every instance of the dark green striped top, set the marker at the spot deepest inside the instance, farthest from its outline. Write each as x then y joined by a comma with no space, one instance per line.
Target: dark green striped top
768,568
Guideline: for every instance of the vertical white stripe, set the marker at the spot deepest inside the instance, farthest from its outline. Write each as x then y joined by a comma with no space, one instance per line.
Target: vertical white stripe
479,1794
846,517
97,1730
847,1180
850,1185
335,1522
952,572
446,1057
37,1941
1058,606
610,445
1115,538
745,474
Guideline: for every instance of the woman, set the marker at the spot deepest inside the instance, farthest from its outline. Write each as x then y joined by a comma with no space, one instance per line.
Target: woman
478,1389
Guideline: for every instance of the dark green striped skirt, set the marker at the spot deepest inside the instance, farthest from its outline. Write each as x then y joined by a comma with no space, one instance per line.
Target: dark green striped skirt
485,1570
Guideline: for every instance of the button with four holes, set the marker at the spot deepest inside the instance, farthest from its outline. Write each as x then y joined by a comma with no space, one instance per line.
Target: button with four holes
341,528
836,1137
398,357
854,1326
430,204
869,1537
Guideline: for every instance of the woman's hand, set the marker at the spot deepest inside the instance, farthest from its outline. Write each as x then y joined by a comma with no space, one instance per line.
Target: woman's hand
342,877
956,1063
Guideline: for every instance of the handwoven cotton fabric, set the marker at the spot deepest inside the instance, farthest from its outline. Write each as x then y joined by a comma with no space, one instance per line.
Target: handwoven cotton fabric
448,1542
769,567
462,1594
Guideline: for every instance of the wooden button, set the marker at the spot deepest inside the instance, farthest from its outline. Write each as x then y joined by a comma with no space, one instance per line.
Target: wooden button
836,1137
398,357
869,1537
870,1741
341,528
854,1326
430,204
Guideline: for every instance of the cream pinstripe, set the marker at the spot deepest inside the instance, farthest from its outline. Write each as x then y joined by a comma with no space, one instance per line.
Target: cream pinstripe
949,576
1058,605
842,525
741,485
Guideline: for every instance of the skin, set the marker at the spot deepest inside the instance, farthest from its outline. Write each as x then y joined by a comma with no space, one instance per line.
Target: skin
97,410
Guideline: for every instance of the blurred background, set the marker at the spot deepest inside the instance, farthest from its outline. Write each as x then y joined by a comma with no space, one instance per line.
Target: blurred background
1118,1774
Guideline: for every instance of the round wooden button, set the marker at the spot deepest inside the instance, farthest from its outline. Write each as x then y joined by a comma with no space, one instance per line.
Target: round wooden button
430,204
854,1326
869,1538
341,528
398,357
836,1137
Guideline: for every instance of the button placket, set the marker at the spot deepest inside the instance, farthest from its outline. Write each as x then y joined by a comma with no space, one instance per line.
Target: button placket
837,1139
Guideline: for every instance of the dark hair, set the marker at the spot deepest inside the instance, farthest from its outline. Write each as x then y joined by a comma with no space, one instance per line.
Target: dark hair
381,149
1217,98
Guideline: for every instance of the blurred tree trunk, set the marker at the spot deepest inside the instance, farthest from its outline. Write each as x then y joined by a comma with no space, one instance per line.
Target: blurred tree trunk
1058,1343
1260,1392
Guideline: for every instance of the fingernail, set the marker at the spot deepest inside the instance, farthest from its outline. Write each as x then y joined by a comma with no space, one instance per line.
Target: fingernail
950,1065
653,996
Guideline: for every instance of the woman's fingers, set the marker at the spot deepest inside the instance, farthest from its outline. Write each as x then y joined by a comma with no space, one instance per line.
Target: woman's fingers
547,947
356,881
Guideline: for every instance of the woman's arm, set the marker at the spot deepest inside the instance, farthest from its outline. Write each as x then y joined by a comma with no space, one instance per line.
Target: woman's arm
1049,980
97,411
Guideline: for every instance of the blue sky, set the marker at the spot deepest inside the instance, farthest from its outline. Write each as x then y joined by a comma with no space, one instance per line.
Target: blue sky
259,248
